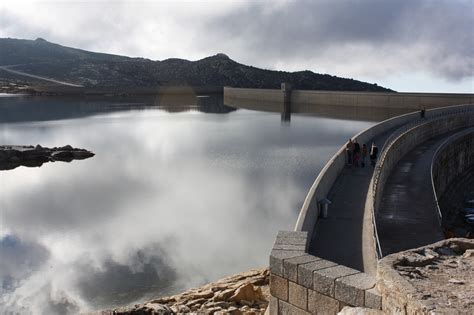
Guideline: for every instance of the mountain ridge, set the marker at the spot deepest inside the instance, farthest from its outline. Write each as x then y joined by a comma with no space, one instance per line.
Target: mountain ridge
94,69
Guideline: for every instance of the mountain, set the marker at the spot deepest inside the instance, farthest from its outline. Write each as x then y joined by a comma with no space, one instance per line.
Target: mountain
44,59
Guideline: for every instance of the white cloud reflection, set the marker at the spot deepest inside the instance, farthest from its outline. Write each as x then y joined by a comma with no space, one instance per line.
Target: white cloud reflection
169,201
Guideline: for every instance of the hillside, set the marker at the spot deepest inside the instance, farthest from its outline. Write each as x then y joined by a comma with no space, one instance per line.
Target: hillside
42,58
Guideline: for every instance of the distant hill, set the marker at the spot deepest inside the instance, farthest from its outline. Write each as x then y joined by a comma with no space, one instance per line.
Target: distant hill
42,58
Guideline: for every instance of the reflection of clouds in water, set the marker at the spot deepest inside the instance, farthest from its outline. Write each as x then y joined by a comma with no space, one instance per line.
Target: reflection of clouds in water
169,201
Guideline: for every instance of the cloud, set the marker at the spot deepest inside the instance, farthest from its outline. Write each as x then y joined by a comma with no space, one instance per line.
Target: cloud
367,37
362,39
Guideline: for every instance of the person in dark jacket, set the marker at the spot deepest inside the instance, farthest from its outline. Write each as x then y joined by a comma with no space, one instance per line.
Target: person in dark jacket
363,155
356,153
350,152
374,151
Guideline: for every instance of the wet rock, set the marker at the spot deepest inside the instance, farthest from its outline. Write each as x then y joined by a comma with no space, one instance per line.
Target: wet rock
15,156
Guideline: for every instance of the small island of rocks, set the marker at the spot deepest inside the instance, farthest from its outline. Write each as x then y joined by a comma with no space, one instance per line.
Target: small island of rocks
13,156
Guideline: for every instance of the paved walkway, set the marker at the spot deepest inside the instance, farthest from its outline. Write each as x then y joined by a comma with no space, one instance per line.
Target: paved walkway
407,216
346,235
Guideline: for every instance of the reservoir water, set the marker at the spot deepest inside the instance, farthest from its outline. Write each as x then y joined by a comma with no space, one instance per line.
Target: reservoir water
182,191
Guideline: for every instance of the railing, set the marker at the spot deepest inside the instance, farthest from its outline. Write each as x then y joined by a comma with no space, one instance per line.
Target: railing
377,190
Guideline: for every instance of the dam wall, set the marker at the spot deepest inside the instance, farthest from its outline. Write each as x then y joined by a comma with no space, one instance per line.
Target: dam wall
302,283
303,101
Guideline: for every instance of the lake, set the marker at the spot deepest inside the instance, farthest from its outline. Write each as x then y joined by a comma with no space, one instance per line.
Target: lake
182,191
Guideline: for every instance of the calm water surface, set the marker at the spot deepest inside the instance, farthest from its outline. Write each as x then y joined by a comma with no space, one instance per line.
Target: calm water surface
172,199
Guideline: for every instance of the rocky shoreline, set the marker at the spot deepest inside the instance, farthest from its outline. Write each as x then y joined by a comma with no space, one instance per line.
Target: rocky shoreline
13,156
245,293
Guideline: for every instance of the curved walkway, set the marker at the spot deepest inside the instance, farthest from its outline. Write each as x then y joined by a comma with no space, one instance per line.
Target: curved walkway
407,216
346,235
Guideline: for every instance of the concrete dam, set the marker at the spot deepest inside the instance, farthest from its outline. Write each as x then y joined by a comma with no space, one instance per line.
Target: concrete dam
333,261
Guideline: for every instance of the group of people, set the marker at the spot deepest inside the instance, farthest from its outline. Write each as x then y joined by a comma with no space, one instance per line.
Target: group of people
356,155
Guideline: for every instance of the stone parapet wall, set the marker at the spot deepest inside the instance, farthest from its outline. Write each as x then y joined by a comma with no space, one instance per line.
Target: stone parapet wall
305,284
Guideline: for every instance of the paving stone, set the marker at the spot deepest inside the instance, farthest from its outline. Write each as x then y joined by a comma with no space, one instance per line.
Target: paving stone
298,295
324,279
373,299
288,309
351,289
290,266
278,255
305,271
294,234
279,287
291,241
321,304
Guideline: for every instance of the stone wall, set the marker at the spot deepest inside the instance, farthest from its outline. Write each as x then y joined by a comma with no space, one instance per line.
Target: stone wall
304,284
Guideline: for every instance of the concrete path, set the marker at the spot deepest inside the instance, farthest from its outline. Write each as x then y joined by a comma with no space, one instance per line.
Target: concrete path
346,236
407,216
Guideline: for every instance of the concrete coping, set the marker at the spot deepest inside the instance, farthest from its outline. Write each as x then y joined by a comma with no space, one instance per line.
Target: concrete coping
293,266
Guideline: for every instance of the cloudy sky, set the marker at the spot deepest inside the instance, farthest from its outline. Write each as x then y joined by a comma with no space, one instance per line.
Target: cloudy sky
407,45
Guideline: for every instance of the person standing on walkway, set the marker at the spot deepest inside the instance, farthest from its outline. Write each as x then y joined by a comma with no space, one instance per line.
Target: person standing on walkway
363,154
349,151
356,152
374,151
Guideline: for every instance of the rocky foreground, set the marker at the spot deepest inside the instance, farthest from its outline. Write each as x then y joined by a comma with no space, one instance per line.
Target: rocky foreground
435,279
33,156
245,293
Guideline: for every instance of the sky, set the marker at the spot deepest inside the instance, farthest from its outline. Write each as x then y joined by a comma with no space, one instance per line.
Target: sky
406,45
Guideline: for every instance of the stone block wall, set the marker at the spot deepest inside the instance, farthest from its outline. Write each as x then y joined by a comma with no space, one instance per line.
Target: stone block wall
301,283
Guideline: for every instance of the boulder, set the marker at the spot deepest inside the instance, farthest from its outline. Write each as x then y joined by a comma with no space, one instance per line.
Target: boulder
248,293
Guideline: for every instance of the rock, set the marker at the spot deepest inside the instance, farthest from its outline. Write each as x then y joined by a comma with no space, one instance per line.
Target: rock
224,295
456,281
405,285
468,253
65,156
248,293
232,295
14,156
